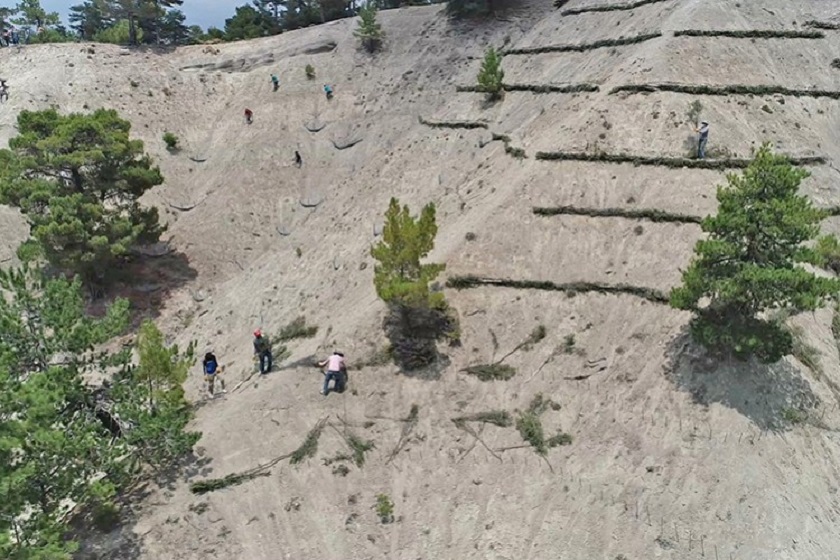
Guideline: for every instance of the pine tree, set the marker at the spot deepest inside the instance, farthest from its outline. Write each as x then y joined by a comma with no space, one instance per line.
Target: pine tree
31,14
63,443
369,31
417,318
54,451
89,18
749,264
78,178
151,397
399,276
491,76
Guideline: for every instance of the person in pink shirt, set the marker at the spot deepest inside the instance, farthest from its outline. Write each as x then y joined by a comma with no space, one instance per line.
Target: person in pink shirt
336,368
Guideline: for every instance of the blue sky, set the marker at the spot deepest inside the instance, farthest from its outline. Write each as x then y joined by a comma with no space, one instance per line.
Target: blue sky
199,12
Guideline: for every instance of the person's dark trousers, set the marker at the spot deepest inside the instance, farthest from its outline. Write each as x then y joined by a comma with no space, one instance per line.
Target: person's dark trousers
265,362
331,376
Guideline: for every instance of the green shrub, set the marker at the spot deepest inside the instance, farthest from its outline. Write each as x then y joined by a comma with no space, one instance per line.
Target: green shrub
171,141
310,71
491,75
384,508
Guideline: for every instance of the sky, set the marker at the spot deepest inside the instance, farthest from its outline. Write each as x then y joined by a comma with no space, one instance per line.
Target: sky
199,12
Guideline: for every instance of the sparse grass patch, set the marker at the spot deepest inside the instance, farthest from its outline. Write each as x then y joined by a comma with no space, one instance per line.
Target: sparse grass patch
381,357
633,214
836,63
804,352
674,163
310,71
604,7
296,329
828,253
341,470
794,415
384,508
469,282
725,90
751,34
491,372
569,344
621,41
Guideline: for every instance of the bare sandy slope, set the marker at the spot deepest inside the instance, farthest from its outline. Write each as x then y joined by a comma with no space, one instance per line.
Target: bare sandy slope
673,456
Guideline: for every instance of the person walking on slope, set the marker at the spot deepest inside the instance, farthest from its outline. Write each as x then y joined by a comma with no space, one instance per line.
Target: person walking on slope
262,351
211,370
336,372
275,81
703,139
328,91
249,116
4,91
298,159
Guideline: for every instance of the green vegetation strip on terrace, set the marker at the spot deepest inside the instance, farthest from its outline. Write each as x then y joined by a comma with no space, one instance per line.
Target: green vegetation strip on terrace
536,88
751,34
621,41
665,161
453,124
634,214
604,7
726,90
823,25
470,281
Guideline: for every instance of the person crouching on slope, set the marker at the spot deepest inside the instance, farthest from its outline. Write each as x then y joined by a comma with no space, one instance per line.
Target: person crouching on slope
336,371
262,351
249,116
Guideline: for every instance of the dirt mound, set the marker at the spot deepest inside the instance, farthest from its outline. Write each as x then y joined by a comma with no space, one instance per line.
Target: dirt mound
671,456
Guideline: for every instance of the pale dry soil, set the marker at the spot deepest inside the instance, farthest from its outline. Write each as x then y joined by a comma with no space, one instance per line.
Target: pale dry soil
674,455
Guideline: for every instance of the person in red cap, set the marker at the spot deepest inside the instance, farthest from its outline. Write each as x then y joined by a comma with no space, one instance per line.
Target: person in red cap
262,351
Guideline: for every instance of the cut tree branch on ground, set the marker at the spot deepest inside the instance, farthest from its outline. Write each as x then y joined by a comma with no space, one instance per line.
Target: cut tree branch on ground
409,424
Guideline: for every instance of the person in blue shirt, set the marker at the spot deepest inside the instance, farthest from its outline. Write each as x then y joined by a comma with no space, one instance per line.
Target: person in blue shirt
328,90
212,369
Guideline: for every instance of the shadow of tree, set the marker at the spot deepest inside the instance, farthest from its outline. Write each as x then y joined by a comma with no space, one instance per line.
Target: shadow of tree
147,281
761,392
